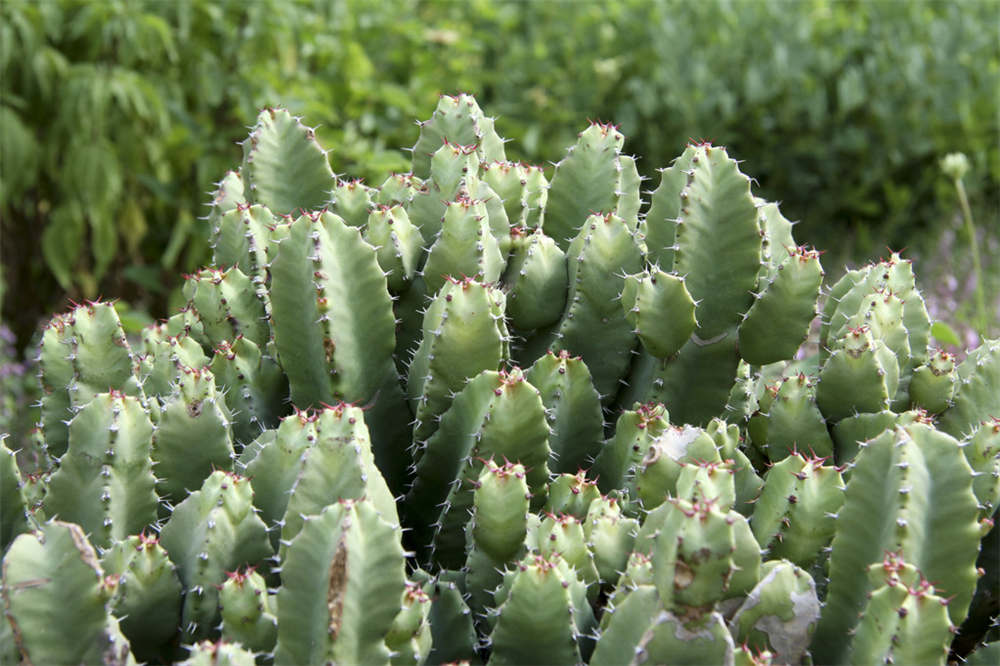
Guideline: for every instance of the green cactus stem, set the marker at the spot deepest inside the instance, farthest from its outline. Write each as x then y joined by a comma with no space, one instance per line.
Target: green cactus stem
333,324
342,578
284,168
147,600
213,531
248,611
56,599
105,481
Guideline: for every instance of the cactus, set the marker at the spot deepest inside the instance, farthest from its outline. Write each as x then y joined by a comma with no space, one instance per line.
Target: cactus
594,326
214,530
794,517
13,505
220,653
147,600
56,599
780,613
283,166
409,638
333,323
573,410
542,616
346,462
248,613
885,510
105,480
588,180
195,412
352,559
496,415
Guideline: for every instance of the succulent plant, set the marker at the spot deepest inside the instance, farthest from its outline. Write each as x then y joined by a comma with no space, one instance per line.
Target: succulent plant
481,414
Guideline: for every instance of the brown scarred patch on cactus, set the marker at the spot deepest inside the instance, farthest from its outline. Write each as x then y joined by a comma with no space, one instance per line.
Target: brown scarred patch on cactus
335,591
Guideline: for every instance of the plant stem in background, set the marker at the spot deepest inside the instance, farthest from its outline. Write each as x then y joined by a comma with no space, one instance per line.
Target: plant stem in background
955,165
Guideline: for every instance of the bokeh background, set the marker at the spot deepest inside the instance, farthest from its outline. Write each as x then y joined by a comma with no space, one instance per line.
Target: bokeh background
117,117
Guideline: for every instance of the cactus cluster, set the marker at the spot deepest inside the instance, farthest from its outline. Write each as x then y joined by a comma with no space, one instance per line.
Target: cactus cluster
480,414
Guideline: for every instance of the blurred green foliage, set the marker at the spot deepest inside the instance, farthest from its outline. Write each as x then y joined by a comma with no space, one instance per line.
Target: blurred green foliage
118,115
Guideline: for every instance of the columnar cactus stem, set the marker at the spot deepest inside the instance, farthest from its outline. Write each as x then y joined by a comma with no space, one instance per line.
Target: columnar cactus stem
105,481
213,531
55,597
886,510
147,600
349,560
333,324
283,166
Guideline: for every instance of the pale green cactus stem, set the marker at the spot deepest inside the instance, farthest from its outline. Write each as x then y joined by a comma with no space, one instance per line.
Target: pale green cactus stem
586,181
571,494
497,530
354,559
497,415
537,277
542,615
352,200
160,361
780,613
454,170
656,477
563,535
933,384
105,480
147,600
860,376
795,515
714,222
332,316
458,120
572,409
56,599
660,308
227,196
14,514
905,620
522,188
337,464
463,333
982,451
704,640
255,388
620,458
790,421
778,321
610,536
248,611
628,612
213,531
976,398
397,190
464,246
410,638
886,509
194,413
284,168
84,352
398,245
594,326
